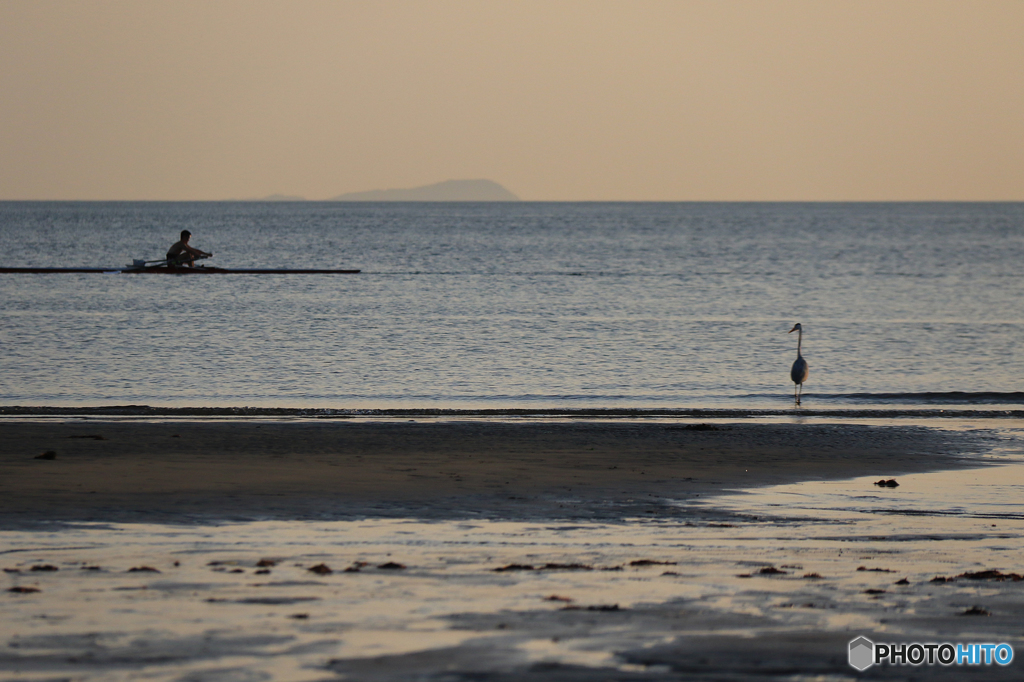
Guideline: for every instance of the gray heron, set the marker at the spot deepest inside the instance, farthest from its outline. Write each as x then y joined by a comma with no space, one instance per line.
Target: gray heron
799,372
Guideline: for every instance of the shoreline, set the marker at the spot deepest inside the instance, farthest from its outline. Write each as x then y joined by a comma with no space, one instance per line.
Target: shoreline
208,471
934,410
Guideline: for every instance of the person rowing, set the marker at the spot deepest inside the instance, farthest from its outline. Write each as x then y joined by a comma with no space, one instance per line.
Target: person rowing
181,253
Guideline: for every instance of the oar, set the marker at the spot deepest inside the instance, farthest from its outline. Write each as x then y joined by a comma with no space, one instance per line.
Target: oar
139,264
164,261
199,258
167,261
134,267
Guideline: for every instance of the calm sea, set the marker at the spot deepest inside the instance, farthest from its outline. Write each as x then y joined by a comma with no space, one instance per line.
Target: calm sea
520,305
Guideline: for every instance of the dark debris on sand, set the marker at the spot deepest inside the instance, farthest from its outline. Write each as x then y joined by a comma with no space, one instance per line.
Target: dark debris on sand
514,567
990,574
566,567
548,567
593,607
767,570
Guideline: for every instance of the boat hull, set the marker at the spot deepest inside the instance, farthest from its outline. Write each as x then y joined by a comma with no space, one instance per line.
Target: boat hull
206,270
166,270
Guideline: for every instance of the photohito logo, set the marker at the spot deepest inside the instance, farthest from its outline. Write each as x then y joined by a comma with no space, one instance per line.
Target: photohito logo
864,653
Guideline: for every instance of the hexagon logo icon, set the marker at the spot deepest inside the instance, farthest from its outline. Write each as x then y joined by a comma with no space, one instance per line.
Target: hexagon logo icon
862,653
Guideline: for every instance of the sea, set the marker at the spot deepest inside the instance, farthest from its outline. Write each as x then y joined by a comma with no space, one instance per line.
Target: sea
506,307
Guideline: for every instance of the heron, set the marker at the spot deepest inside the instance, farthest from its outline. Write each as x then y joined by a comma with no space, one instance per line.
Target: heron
799,372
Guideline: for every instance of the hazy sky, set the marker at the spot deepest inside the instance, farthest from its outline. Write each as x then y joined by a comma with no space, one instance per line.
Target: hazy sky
554,99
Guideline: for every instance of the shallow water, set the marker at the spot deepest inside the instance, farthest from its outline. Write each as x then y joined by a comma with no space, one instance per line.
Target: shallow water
517,305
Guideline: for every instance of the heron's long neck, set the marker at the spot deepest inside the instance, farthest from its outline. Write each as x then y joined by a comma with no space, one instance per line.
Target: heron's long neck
799,340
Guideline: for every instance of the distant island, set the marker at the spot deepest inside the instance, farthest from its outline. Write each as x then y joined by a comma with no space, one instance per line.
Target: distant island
449,190
281,197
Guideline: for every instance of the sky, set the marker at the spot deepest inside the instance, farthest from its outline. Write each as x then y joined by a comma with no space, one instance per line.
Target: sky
557,100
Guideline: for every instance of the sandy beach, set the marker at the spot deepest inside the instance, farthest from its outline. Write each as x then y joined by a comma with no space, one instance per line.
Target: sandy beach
489,550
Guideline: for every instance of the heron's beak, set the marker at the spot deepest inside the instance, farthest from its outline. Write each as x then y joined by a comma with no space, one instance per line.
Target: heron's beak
791,330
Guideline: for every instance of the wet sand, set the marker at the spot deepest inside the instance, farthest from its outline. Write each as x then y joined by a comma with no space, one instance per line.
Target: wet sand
498,551
202,471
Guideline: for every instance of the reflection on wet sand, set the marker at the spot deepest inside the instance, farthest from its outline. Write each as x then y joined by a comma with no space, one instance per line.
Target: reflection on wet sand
751,584
825,560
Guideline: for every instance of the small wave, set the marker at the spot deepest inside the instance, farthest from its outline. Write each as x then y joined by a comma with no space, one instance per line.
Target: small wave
930,397
145,411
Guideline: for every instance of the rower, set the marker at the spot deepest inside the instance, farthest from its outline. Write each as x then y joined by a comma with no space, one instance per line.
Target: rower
183,254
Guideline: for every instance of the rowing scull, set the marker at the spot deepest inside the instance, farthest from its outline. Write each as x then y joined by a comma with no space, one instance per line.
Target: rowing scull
172,270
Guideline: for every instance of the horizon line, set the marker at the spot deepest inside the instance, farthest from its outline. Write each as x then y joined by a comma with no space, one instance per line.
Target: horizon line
526,201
